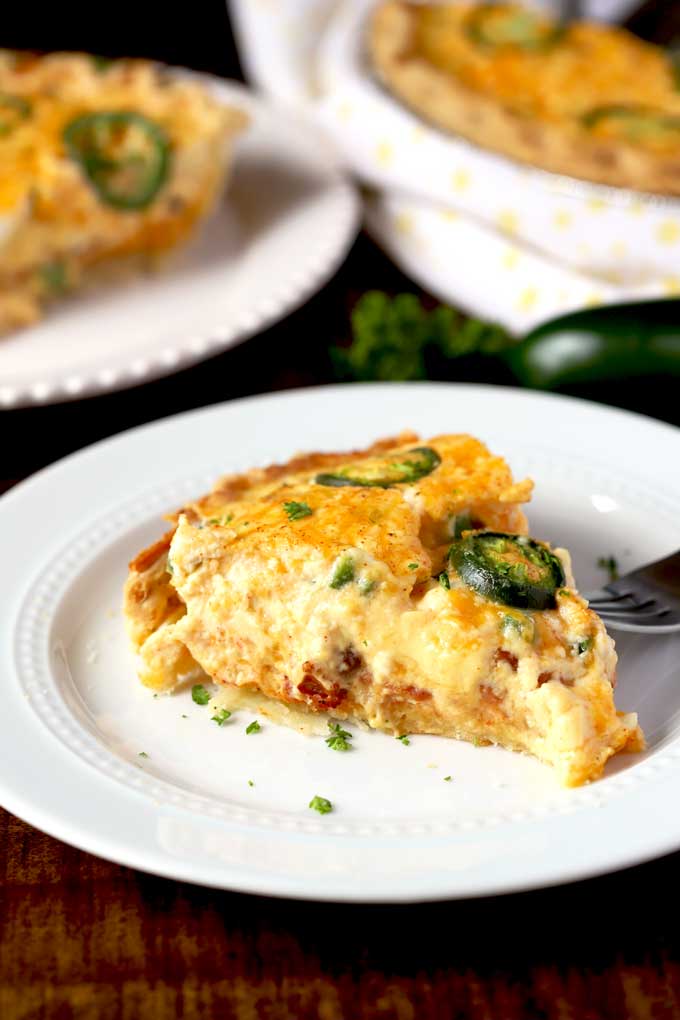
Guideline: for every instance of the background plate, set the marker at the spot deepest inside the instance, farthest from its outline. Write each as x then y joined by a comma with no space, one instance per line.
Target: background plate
283,227
75,719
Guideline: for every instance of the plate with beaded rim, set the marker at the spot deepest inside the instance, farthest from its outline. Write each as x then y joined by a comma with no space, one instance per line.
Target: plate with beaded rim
91,757
282,228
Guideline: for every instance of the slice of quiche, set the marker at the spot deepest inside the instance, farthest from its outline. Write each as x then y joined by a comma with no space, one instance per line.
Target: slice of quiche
104,163
396,586
586,99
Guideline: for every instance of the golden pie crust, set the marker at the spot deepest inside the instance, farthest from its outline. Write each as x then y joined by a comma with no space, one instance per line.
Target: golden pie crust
533,104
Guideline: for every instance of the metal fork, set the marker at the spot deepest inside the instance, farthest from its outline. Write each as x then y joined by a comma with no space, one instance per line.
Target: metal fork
646,600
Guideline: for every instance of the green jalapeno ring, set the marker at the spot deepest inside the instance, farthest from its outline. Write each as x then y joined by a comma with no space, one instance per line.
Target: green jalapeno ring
641,121
522,29
13,109
131,182
388,472
510,569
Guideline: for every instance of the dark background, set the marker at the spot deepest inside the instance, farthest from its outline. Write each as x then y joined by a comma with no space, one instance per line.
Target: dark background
88,939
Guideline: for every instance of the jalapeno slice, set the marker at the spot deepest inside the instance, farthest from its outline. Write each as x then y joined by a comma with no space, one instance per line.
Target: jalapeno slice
496,26
13,109
635,123
406,467
124,155
510,569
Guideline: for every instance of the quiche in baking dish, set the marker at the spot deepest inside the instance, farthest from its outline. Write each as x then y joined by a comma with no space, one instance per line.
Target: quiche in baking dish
396,586
100,160
587,99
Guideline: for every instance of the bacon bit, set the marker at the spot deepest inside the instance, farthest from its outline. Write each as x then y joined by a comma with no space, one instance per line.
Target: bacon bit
350,660
502,655
416,693
489,696
544,678
319,697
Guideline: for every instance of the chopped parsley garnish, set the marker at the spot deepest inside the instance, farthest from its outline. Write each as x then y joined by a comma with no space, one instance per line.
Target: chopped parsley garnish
413,566
142,754
583,646
339,738
251,783
221,716
321,805
609,564
564,591
296,511
220,520
253,727
404,739
199,694
366,586
447,779
444,580
53,276
343,572
184,716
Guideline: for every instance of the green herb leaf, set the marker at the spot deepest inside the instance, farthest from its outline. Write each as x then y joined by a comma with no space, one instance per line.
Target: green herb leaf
583,646
253,727
142,754
321,805
609,564
404,739
339,739
343,572
395,338
251,783
447,779
223,521
221,717
199,694
99,63
444,580
296,511
413,566
54,277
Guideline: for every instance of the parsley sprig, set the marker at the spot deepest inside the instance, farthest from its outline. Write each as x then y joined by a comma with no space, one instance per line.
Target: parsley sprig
321,805
221,716
296,511
199,695
396,338
339,739
609,564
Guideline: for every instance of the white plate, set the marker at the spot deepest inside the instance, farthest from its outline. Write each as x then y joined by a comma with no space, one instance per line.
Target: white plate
283,227
74,718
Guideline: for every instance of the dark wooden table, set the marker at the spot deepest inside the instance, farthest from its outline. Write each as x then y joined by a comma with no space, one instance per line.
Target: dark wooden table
86,938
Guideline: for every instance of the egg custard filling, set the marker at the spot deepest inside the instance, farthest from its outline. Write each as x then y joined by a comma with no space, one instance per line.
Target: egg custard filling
395,586
103,163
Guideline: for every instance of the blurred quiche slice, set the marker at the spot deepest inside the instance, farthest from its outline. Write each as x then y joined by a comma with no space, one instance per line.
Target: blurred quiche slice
101,161
395,586
587,99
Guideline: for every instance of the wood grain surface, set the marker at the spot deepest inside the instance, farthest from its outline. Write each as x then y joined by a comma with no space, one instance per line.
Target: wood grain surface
88,939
